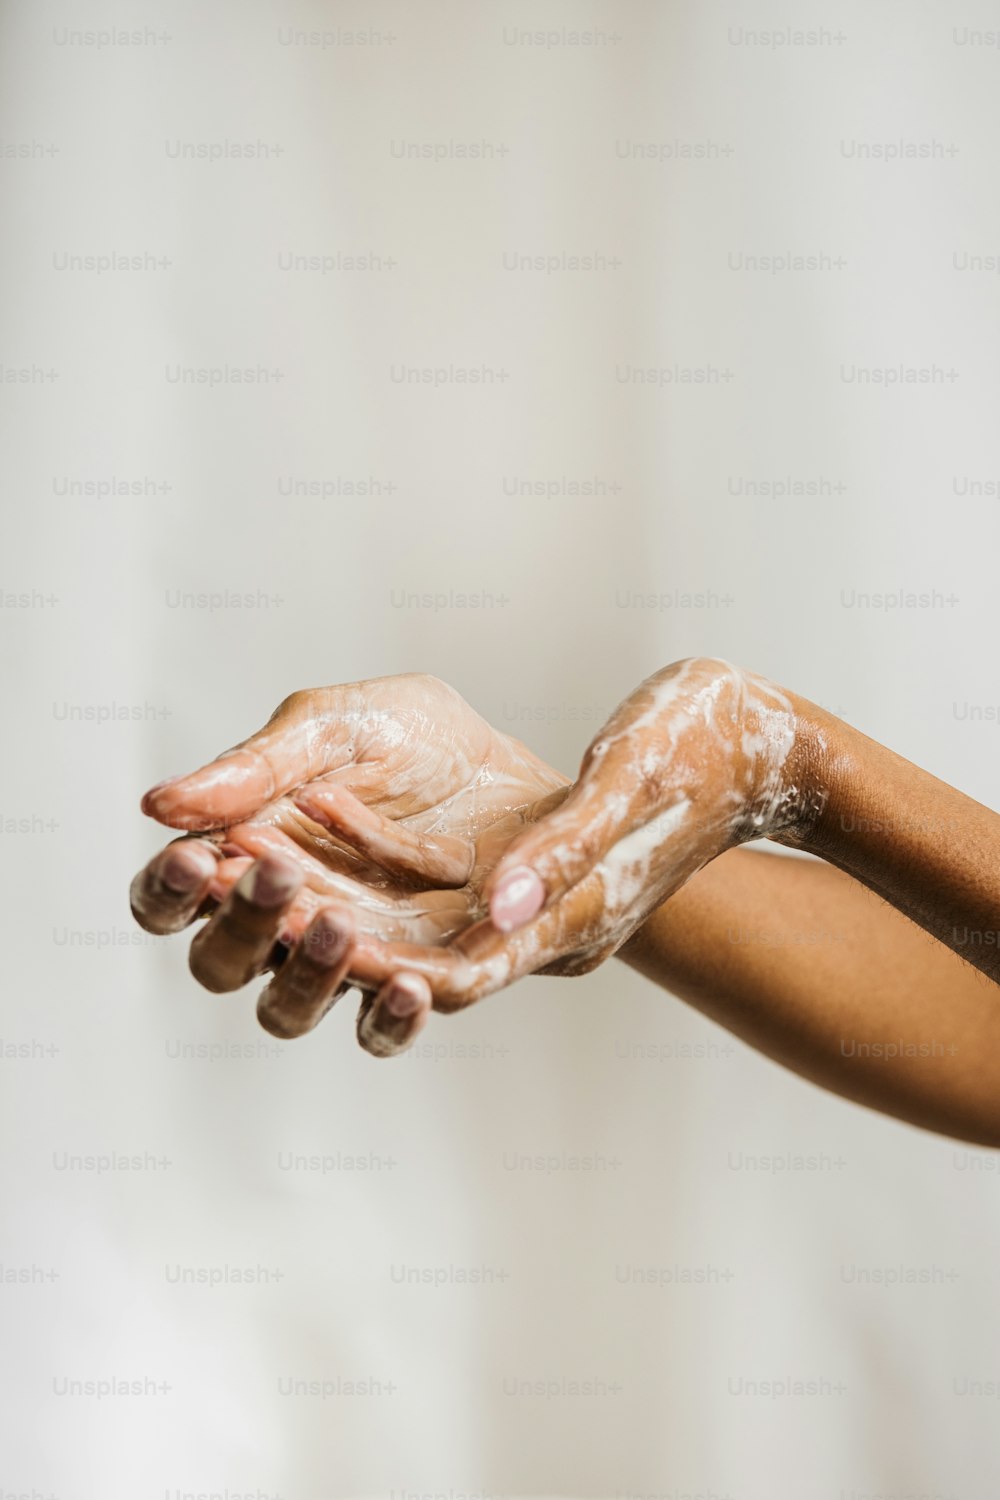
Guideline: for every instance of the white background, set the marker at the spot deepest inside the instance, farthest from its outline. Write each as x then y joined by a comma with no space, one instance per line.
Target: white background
672,144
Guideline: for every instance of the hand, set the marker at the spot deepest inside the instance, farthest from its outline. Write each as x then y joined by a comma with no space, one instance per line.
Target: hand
375,810
700,758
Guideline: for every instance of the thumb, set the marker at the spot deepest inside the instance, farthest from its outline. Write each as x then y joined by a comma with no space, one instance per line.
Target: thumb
561,849
308,734
620,791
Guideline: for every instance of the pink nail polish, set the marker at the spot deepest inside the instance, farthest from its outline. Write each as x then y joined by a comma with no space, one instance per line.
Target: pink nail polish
519,896
403,998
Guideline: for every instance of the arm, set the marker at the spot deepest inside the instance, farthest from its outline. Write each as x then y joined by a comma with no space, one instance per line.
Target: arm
929,850
698,760
831,978
805,964
703,757
837,982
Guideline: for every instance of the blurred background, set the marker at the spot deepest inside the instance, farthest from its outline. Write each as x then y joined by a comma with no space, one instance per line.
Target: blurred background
534,346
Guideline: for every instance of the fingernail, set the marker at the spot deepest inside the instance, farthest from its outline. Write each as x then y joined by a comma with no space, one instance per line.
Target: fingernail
269,883
182,873
403,998
147,800
519,896
326,939
311,810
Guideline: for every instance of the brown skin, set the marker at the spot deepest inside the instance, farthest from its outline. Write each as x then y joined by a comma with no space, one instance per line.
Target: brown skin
385,804
805,964
810,1003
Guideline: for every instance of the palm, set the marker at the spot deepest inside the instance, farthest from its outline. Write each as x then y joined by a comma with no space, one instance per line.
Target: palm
406,751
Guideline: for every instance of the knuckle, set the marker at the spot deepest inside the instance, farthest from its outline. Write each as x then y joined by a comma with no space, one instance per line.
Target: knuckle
461,987
452,992
560,862
436,689
709,665
654,778
426,680
447,1001
594,754
712,668
294,704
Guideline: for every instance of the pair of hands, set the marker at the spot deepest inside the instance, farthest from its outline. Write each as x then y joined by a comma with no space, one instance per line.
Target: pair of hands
382,834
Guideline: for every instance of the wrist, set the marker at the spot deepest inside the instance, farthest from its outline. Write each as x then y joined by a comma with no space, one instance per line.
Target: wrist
810,777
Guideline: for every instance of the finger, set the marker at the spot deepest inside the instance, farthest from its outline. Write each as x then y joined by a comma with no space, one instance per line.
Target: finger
378,902
622,793
236,943
327,866
476,963
309,981
481,960
431,858
609,818
296,917
308,734
167,894
227,873
390,1023
375,961
430,917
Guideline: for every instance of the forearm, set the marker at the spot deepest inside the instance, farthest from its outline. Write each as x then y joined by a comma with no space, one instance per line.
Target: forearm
828,977
806,965
929,850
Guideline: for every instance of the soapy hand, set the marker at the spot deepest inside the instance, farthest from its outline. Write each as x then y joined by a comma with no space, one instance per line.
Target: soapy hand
362,813
387,826
700,758
363,835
